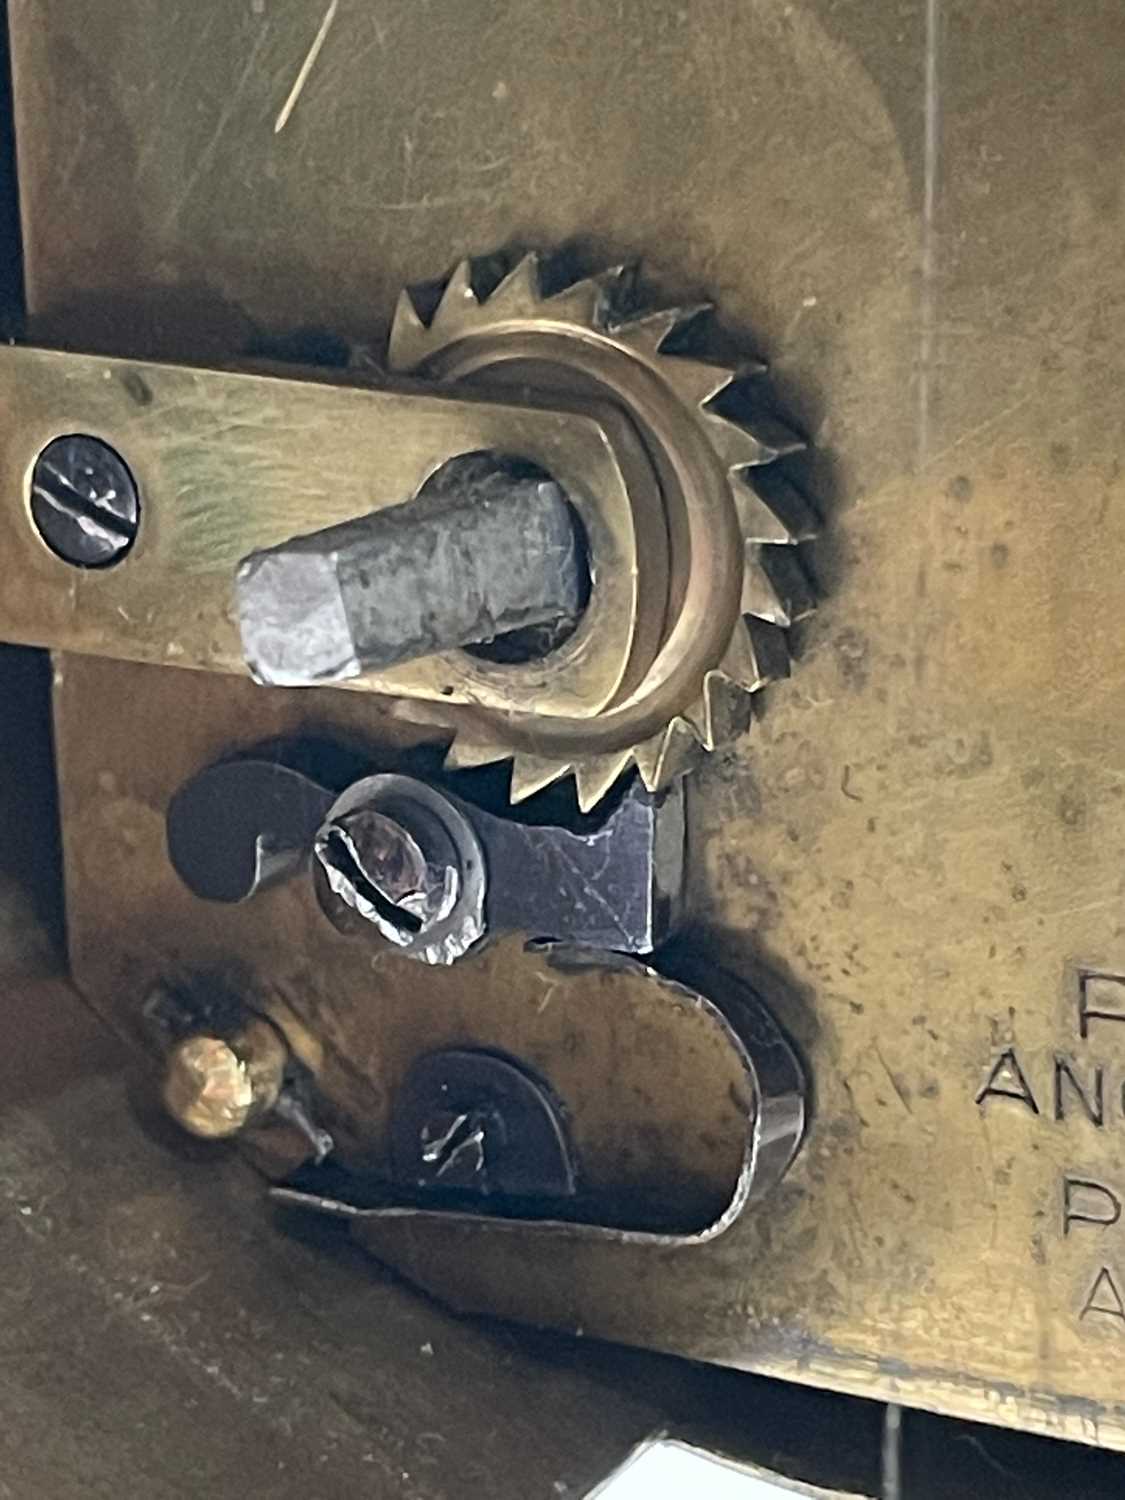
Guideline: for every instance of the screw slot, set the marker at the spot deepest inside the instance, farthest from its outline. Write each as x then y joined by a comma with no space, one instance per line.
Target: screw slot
342,855
84,502
403,857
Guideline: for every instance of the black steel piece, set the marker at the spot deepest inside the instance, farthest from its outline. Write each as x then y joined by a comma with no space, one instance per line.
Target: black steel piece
499,555
430,872
616,886
241,826
84,501
469,1122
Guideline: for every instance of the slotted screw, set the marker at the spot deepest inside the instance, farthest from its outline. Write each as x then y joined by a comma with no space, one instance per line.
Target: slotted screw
84,501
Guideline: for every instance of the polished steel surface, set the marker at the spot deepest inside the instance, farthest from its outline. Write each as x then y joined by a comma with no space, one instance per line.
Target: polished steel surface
453,882
615,885
426,870
84,502
470,1122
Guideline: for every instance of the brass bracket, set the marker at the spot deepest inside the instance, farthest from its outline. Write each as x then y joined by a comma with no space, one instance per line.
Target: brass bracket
229,462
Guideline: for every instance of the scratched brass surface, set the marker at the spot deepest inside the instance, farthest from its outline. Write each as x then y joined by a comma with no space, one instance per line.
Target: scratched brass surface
916,207
227,462
657,1092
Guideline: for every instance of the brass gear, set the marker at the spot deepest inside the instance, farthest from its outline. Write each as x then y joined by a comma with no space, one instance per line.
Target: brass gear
730,580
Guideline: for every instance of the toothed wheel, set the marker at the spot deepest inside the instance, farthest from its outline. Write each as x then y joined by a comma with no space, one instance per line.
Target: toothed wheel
723,554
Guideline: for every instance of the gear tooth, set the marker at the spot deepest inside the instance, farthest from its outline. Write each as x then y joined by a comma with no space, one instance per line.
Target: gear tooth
579,304
722,712
757,654
533,773
697,380
748,367
519,294
787,503
618,285
742,445
466,754
457,297
649,333
407,344
623,274
588,303
765,516
757,520
595,774
775,436
759,597
770,509
775,586
790,581
739,661
698,716
770,649
670,754
736,447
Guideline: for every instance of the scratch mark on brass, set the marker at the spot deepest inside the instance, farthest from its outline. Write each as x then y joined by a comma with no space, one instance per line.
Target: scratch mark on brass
207,155
931,166
305,70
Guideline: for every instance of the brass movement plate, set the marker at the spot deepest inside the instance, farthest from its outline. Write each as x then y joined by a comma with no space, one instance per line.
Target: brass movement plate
659,1094
918,853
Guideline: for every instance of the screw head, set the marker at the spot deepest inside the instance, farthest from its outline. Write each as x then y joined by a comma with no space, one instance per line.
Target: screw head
84,501
378,868
472,1121
402,856
215,1087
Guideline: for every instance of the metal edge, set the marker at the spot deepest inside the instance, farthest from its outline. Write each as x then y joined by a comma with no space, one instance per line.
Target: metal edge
777,1127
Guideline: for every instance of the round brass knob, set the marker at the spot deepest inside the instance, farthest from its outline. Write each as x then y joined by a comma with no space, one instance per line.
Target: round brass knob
215,1087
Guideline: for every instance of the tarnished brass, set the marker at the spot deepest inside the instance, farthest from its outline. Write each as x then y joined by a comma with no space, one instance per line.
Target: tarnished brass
715,611
229,462
917,209
643,1208
875,1241
686,613
659,1097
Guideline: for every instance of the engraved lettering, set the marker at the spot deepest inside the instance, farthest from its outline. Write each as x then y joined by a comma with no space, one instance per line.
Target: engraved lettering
1008,1081
1091,1100
1101,997
1104,1297
1088,1202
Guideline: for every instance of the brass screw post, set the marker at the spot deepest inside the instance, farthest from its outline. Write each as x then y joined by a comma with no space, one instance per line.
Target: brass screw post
216,1087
